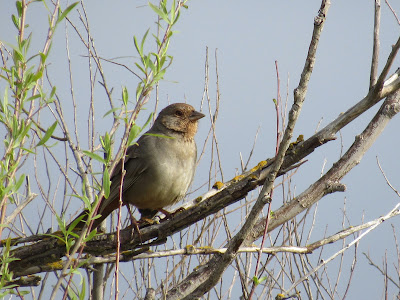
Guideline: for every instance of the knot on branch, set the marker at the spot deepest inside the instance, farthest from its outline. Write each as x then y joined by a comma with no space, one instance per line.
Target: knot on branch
318,20
334,186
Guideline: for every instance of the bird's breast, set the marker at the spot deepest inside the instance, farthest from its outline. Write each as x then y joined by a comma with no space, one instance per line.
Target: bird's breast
168,175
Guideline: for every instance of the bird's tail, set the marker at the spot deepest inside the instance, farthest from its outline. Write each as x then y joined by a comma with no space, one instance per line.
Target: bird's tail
82,218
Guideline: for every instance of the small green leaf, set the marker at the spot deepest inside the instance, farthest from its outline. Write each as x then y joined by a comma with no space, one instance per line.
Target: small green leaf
19,7
148,120
144,39
66,11
159,76
53,91
173,11
125,96
159,135
106,183
28,150
15,21
91,235
159,12
255,280
262,279
94,156
48,134
135,130
111,111
75,222
177,18
141,69
137,46
157,60
151,65
33,97
43,57
139,90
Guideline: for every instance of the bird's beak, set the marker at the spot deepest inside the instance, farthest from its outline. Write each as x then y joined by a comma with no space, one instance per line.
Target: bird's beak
195,115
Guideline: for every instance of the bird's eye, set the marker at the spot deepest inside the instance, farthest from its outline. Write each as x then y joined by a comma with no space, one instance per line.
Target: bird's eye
178,113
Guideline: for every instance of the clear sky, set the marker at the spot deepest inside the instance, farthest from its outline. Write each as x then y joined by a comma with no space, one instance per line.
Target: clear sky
249,36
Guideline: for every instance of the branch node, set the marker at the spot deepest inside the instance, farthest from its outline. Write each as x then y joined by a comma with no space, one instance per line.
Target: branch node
334,186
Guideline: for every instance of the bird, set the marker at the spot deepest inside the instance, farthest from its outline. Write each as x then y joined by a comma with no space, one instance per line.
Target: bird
159,167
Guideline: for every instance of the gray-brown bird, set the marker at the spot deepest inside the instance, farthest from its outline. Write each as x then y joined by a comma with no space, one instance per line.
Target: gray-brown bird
159,168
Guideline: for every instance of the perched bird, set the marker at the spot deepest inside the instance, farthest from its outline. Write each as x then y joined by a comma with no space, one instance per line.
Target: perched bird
159,167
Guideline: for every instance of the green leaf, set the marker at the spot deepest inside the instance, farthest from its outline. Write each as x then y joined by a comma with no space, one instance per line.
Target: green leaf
43,57
106,183
137,46
159,135
159,76
28,150
48,134
144,39
255,280
15,21
148,120
262,279
125,96
177,18
66,12
141,69
18,4
33,97
159,12
145,61
53,91
173,12
17,56
111,111
151,65
94,156
139,90
135,130
26,43
106,144
157,60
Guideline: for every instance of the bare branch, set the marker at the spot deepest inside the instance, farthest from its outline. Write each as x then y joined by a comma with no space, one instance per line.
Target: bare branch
375,49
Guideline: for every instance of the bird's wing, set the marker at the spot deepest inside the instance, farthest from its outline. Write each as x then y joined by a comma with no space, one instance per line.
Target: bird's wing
134,168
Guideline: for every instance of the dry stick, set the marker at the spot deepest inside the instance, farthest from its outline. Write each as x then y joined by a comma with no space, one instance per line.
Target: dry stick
215,116
397,251
371,262
206,276
123,172
352,268
392,10
386,179
97,291
376,44
267,219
